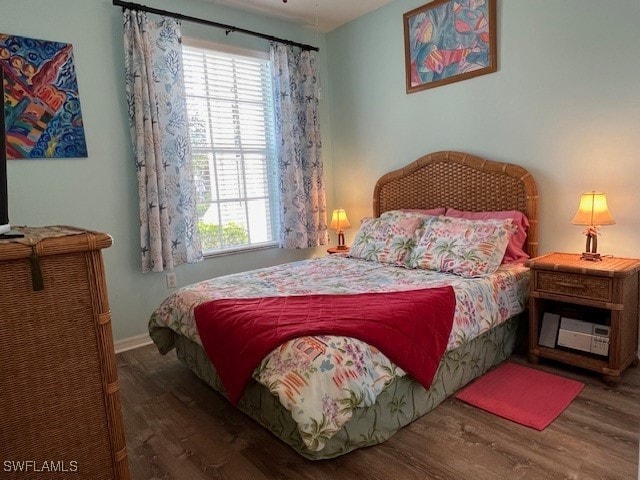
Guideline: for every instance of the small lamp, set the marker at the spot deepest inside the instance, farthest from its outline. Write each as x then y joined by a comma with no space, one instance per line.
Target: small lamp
339,223
592,212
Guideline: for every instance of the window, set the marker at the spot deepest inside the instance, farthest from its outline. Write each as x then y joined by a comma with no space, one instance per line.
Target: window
230,107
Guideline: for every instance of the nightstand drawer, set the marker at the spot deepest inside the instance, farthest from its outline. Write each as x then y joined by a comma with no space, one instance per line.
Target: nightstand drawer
583,286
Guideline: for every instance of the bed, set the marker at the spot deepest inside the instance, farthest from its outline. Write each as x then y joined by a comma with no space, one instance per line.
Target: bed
392,398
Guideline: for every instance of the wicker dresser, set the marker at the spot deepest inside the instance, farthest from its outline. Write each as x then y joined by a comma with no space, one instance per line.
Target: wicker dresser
60,411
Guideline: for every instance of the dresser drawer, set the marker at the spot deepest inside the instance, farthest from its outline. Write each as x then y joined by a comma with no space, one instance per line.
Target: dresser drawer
576,285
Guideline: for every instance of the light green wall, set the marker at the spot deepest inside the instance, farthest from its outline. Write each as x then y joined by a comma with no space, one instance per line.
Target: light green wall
564,103
99,192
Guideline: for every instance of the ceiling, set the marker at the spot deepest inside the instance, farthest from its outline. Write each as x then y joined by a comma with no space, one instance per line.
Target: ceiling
330,13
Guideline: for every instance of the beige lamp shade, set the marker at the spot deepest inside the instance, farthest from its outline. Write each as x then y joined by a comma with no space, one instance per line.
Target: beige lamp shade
339,220
593,210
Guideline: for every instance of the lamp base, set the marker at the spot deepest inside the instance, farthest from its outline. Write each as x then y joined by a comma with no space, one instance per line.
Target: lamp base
341,247
592,257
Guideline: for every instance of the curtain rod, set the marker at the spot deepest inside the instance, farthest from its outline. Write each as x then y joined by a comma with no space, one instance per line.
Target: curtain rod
228,28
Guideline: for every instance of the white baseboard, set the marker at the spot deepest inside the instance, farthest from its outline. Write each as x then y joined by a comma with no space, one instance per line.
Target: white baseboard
130,343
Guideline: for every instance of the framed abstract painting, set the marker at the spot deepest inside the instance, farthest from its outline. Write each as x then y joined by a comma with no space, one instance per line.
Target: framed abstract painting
42,106
446,41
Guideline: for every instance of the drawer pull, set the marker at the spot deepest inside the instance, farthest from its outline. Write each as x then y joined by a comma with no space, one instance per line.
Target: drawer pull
572,285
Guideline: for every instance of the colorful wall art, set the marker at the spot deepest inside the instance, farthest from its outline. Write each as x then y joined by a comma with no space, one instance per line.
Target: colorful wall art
449,40
42,106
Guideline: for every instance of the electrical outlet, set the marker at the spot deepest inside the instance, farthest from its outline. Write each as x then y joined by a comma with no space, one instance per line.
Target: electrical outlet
171,280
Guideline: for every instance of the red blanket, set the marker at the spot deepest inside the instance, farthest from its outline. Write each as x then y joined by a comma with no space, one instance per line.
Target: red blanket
411,328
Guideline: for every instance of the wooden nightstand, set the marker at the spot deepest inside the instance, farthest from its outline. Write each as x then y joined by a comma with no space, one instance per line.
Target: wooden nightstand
333,250
601,293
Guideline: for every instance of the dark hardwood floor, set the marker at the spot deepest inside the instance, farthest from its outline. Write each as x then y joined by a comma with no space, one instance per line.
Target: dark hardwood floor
179,428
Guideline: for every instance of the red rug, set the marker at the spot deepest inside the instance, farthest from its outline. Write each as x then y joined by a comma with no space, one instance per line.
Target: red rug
521,394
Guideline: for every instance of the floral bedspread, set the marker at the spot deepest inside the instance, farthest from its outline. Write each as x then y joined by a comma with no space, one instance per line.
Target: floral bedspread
322,379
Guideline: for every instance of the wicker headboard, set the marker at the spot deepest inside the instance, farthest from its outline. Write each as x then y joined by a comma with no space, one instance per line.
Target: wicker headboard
464,182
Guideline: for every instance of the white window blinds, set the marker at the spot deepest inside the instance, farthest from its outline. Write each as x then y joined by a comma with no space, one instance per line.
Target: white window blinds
230,106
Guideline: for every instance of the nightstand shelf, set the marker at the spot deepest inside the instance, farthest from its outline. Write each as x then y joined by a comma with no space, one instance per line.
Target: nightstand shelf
604,294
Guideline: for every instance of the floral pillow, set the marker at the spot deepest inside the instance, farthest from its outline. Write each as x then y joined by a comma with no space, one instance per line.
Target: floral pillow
387,239
469,248
515,249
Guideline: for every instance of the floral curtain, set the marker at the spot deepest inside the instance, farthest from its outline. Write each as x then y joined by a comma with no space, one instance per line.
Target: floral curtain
159,130
301,184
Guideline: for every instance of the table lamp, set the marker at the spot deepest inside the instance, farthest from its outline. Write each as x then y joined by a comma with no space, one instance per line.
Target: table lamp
592,212
339,223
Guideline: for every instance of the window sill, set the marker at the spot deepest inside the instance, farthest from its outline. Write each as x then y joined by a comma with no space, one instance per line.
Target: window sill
237,250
